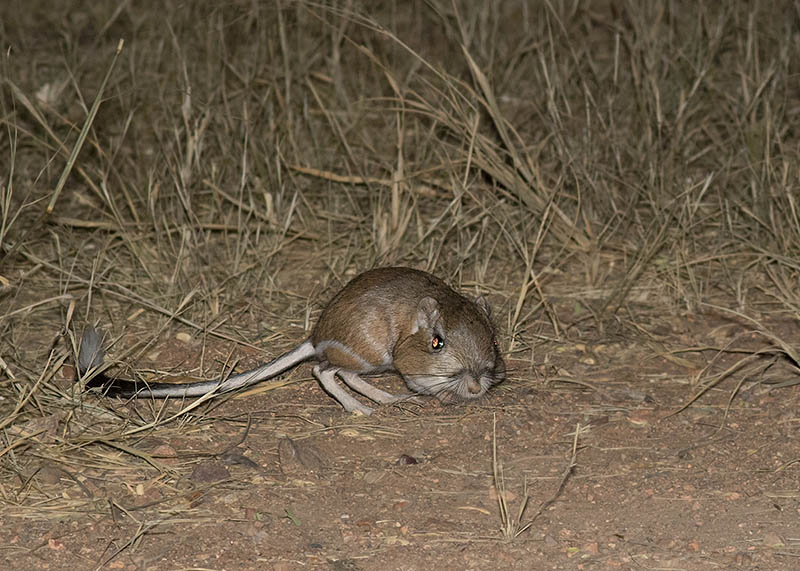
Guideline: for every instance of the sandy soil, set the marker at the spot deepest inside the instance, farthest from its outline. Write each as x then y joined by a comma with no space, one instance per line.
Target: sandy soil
287,480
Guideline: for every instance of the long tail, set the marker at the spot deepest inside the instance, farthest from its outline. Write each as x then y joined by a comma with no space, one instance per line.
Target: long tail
90,356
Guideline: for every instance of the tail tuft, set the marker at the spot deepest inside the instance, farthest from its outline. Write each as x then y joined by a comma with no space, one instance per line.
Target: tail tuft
90,354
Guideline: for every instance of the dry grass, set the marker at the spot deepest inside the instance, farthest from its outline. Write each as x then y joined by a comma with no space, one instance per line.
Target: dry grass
574,162
512,526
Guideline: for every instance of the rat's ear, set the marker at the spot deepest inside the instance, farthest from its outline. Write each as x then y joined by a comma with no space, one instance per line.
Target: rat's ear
427,313
483,303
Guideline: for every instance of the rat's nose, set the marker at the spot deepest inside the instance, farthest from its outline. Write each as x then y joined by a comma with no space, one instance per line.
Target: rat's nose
474,385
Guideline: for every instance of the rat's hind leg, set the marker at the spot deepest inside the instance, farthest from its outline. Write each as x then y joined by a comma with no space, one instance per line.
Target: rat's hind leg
327,378
355,382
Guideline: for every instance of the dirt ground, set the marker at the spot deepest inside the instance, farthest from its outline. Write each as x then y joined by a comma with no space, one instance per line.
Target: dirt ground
288,480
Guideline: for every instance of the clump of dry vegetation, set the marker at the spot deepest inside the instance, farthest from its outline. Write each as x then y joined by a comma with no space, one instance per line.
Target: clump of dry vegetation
576,162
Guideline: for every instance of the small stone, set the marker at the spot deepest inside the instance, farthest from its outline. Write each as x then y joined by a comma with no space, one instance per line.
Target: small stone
406,460
300,457
211,471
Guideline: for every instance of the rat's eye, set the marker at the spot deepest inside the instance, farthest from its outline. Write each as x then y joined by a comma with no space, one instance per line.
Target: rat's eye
437,343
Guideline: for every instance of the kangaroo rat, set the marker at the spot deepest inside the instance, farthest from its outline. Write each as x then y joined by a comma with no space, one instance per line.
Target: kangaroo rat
387,319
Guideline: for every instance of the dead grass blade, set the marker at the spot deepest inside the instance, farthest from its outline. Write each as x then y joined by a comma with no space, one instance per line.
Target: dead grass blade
73,154
76,149
512,526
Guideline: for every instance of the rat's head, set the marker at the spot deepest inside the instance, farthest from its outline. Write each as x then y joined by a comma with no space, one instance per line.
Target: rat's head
451,351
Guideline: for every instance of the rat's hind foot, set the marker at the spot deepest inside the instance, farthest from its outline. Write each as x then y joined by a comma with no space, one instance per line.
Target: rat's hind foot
327,378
